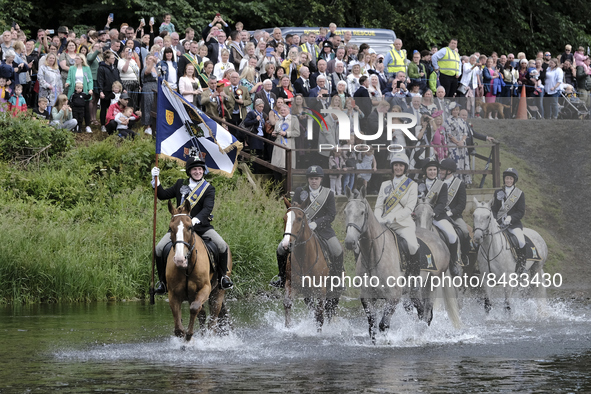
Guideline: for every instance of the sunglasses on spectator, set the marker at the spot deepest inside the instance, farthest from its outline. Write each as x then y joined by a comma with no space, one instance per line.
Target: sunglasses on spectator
547,54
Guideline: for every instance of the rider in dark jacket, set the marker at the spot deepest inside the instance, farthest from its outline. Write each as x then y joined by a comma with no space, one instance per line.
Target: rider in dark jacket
202,196
320,211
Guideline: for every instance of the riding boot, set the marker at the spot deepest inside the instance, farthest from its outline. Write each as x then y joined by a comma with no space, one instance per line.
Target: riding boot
281,263
454,269
225,281
521,260
336,269
415,291
161,268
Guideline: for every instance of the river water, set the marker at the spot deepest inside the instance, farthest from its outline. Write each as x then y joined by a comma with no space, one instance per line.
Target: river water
128,347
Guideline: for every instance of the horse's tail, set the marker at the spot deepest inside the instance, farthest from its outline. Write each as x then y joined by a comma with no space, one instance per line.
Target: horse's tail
451,305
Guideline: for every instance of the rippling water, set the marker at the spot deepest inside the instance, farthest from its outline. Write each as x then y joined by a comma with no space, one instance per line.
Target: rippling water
128,347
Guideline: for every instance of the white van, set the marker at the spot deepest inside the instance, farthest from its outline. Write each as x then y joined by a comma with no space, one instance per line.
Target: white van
381,40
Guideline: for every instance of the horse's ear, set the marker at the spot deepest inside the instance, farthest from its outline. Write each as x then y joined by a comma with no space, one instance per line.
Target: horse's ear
362,192
490,203
348,192
187,206
171,208
286,202
476,202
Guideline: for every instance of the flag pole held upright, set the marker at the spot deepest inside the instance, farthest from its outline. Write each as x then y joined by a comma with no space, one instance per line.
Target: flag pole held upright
154,235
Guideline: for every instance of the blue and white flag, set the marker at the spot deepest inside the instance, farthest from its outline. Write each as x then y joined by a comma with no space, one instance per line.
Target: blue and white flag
183,131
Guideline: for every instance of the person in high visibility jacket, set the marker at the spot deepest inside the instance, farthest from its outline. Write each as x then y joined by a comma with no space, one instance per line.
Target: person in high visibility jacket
446,62
396,60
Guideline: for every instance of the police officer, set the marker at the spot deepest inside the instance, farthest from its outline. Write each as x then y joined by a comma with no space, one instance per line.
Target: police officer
320,212
508,208
201,194
435,190
396,202
456,203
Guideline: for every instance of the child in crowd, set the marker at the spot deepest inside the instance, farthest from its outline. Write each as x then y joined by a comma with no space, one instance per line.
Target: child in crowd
368,162
415,90
17,102
61,114
335,162
167,25
321,37
349,163
116,91
78,102
41,111
122,119
5,93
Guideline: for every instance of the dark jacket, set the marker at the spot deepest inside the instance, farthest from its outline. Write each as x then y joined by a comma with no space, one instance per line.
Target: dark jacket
106,75
78,100
300,87
516,213
324,217
438,202
201,210
458,204
251,121
262,94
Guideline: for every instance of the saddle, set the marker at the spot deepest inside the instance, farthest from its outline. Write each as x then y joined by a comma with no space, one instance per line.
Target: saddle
425,254
324,248
531,252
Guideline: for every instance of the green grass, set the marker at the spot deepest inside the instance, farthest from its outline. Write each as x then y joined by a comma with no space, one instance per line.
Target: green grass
80,227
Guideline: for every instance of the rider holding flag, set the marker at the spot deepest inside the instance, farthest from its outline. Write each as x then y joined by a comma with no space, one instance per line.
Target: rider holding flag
509,208
201,194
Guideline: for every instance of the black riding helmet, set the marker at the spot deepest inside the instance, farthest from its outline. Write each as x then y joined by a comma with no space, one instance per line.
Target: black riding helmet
512,172
192,162
448,165
314,171
431,162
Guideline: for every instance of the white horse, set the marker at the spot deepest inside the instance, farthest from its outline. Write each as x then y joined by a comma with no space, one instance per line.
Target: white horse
497,263
379,258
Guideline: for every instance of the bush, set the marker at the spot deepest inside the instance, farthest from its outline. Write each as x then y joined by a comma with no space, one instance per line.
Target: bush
24,133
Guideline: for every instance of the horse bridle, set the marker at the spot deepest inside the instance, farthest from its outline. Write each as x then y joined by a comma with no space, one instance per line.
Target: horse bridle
486,230
300,229
188,245
355,226
364,225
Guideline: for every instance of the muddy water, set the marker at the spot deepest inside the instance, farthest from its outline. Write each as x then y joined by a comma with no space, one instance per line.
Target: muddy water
128,347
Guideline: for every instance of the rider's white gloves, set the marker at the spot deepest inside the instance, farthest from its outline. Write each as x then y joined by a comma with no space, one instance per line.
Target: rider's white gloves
450,213
195,221
313,226
507,220
155,173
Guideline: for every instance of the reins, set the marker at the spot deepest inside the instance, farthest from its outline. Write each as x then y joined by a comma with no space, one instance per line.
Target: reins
486,232
296,243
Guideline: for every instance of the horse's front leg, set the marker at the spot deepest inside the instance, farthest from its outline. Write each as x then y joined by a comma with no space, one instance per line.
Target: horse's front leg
389,308
319,313
287,303
175,302
196,306
416,295
368,307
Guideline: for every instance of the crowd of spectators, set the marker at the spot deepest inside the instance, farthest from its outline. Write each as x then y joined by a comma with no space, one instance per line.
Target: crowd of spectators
268,83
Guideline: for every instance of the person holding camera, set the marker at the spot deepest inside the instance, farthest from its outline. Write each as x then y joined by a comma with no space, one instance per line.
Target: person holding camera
129,71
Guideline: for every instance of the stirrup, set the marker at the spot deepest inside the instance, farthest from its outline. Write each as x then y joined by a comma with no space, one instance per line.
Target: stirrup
160,289
277,282
226,279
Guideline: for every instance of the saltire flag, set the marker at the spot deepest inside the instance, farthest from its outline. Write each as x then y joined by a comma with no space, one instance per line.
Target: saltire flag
183,131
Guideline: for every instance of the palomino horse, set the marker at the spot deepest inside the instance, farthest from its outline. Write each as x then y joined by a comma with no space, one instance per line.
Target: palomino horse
307,268
495,260
379,257
188,275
